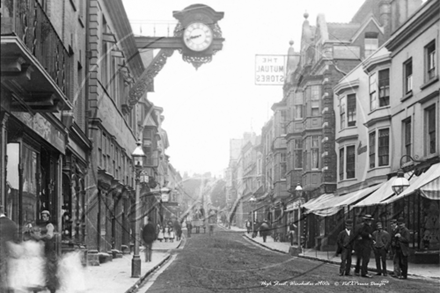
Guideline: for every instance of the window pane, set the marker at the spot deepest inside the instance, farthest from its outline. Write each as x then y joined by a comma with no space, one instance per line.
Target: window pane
407,126
384,87
351,162
351,110
341,164
372,149
384,142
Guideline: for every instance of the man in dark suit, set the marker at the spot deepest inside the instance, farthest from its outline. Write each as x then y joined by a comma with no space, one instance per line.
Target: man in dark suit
148,236
345,246
365,243
394,230
402,247
8,233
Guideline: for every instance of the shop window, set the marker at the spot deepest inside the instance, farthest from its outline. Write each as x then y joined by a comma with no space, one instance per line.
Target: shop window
408,81
384,148
430,57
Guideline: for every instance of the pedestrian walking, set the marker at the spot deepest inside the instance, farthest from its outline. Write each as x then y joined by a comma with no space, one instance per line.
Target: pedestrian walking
292,232
46,233
381,240
393,250
177,229
264,230
345,247
364,237
248,226
188,228
402,247
159,232
148,236
255,229
8,234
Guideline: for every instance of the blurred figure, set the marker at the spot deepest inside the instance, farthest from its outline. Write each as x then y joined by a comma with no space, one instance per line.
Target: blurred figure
264,230
381,240
177,229
248,226
396,267
256,228
188,227
402,247
345,247
46,234
8,234
159,231
71,273
148,236
292,232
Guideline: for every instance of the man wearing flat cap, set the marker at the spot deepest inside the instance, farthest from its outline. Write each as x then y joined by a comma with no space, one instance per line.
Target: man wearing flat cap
364,237
381,240
345,246
402,247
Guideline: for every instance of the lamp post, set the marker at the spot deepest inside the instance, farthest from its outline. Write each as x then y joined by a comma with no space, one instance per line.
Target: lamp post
400,183
138,158
252,200
299,191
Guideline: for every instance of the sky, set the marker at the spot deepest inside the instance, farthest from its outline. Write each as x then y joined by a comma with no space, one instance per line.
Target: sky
205,108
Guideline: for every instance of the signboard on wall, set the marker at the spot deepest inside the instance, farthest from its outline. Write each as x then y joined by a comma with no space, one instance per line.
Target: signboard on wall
270,69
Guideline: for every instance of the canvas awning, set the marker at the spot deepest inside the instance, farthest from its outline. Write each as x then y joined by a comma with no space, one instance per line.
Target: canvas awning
314,203
333,205
425,181
384,192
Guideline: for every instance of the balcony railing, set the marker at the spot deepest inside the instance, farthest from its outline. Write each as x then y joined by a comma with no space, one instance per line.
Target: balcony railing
34,29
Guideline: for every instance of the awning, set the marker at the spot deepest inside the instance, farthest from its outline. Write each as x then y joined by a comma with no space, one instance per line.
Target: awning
431,190
384,192
318,202
429,178
333,205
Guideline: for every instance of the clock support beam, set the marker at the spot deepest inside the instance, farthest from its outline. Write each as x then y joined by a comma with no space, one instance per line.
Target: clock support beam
167,45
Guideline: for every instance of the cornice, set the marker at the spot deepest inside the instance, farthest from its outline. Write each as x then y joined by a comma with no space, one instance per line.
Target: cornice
341,87
373,121
371,63
426,13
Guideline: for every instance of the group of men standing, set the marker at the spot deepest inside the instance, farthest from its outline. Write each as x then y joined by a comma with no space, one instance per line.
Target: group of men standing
365,238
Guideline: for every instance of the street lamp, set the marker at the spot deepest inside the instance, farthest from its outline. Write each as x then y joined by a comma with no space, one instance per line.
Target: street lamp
400,183
138,158
299,191
252,200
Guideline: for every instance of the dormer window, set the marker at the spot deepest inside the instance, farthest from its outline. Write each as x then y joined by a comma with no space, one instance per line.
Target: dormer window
371,43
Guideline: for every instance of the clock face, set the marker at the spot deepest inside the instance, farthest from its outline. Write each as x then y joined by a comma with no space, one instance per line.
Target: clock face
198,36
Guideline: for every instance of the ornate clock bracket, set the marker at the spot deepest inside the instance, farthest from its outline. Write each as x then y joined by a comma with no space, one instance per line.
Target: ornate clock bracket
167,45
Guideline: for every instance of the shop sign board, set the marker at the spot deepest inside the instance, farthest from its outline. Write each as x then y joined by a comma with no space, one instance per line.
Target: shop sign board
270,69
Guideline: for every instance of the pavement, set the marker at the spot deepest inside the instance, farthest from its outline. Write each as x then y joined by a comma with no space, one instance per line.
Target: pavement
115,276
419,270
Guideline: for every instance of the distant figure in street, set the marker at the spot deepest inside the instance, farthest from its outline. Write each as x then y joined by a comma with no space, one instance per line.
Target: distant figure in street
256,228
248,226
264,230
381,240
148,236
393,232
8,234
188,227
177,229
365,243
402,247
292,232
345,247
46,234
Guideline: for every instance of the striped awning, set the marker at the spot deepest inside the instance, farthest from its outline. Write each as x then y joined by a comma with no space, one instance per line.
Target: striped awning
384,192
431,190
430,176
